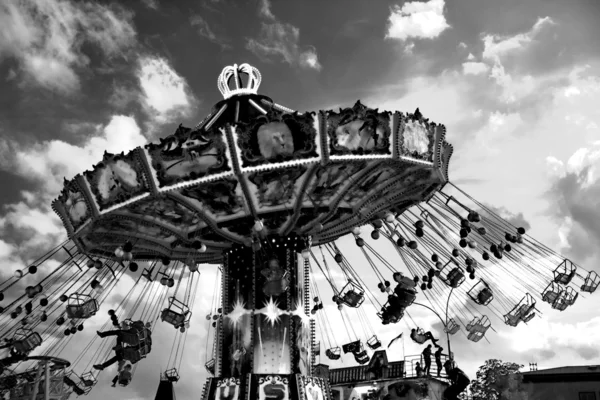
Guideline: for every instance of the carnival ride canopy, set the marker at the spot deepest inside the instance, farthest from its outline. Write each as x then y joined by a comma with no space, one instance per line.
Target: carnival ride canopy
365,193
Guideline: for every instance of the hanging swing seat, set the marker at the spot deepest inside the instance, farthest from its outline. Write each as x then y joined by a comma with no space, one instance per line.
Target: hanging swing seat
172,375
452,327
352,347
25,340
455,277
478,327
352,295
81,306
419,337
177,314
88,379
523,311
333,353
136,334
591,282
565,272
75,383
565,299
481,293
210,366
134,355
362,357
405,293
551,293
394,309
374,343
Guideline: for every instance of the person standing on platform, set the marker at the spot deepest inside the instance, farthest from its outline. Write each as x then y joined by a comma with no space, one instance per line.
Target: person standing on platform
427,359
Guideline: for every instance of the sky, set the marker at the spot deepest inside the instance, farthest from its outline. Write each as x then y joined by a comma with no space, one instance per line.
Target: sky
516,84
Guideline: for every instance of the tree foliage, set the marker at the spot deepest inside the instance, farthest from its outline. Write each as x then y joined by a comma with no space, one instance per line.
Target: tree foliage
496,380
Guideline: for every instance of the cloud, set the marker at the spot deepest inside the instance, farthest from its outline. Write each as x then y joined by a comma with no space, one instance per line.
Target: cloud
418,20
496,46
47,38
203,29
512,218
474,68
574,195
264,10
46,163
165,95
281,40
153,4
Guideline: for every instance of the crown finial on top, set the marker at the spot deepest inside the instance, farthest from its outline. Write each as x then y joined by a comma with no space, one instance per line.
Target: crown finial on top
237,87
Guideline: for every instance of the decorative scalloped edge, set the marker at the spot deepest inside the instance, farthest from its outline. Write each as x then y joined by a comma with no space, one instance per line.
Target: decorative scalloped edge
59,210
286,164
153,173
416,161
142,157
361,157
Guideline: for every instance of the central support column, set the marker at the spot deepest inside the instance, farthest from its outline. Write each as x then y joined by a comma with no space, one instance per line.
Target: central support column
265,335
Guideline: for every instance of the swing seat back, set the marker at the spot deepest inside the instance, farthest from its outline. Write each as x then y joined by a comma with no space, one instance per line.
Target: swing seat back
334,353
82,311
528,317
171,317
455,277
452,327
484,296
374,343
30,342
133,355
406,296
352,299
362,357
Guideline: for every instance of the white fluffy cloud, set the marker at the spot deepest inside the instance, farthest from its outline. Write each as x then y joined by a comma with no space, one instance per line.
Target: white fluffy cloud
46,163
514,87
47,37
165,94
496,46
282,40
418,20
475,68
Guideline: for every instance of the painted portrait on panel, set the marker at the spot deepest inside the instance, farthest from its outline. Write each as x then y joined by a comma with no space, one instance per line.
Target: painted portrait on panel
188,155
358,130
276,138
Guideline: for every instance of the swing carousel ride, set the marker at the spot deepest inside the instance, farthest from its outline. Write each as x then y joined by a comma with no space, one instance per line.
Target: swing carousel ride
270,196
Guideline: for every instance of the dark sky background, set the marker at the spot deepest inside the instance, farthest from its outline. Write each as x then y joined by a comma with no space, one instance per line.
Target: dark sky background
516,83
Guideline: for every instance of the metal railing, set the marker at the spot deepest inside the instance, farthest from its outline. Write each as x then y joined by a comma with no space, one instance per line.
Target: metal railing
410,363
361,374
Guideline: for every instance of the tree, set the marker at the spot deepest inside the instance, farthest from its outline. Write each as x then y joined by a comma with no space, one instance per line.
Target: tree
497,380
